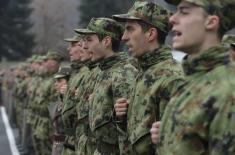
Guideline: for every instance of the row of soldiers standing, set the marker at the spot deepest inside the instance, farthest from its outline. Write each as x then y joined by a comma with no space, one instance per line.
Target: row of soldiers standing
108,103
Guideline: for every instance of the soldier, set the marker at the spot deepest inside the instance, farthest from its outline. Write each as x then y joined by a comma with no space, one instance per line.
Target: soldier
31,110
55,109
103,36
145,32
26,128
20,98
45,94
199,119
79,70
85,141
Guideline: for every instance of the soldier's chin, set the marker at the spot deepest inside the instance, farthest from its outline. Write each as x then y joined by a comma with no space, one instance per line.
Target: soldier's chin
177,46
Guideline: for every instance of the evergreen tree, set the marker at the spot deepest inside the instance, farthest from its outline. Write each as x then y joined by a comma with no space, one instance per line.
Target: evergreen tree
16,42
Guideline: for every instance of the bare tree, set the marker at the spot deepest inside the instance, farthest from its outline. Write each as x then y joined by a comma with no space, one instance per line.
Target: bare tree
53,21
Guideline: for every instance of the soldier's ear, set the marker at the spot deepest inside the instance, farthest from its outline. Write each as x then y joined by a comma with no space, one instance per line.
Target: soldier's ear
212,22
107,41
152,34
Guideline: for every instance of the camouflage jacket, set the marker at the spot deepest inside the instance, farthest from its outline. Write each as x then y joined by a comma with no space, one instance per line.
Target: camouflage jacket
69,110
115,81
83,132
31,92
158,77
45,94
200,117
85,90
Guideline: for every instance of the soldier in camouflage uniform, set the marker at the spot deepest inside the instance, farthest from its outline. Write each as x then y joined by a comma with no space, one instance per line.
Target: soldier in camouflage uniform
19,96
79,70
55,109
200,117
26,128
114,81
45,94
31,93
85,141
85,58
145,32
229,41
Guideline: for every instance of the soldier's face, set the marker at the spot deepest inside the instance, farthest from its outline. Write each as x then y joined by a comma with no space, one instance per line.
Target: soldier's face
51,65
59,83
135,39
75,52
72,44
189,28
95,47
85,54
41,68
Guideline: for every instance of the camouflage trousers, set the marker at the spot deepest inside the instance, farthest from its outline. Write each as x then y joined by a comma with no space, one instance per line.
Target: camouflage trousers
69,146
41,136
57,148
85,145
143,146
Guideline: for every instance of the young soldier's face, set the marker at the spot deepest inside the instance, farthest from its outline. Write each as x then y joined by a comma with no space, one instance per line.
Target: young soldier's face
85,54
94,46
72,44
135,39
52,65
188,26
59,83
75,52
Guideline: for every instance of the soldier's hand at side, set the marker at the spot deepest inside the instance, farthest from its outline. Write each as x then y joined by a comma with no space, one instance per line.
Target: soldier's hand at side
121,107
63,89
155,132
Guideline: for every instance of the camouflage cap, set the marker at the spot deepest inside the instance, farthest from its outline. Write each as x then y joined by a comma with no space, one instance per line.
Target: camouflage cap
75,38
63,72
104,26
22,66
32,59
39,59
229,40
225,9
148,12
54,55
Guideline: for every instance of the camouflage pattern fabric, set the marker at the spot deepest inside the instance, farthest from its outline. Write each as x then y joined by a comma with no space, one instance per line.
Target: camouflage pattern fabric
198,120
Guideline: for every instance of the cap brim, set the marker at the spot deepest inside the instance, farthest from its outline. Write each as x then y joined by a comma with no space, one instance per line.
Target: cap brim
173,2
70,40
84,31
59,76
124,17
233,45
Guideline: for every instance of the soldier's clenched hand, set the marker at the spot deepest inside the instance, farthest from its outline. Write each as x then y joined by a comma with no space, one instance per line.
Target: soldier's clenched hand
121,107
155,131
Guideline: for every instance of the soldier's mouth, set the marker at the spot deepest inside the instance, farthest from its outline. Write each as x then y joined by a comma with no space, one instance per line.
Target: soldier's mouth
176,34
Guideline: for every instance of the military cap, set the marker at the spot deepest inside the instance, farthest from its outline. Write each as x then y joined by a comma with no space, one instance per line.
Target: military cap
23,66
32,59
54,55
63,72
39,59
105,26
75,38
228,40
148,12
225,9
